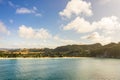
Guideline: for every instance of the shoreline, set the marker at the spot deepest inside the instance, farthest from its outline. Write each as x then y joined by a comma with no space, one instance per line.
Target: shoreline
1,58
44,58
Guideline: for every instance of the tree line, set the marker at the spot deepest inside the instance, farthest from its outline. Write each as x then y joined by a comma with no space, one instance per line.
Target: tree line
111,50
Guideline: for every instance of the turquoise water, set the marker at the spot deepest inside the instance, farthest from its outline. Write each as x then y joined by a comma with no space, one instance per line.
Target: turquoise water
60,69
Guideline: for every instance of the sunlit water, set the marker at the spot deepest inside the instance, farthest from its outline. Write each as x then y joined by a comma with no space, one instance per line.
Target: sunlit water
60,69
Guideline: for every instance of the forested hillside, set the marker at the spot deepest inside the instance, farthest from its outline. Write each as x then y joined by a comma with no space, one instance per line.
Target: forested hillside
111,50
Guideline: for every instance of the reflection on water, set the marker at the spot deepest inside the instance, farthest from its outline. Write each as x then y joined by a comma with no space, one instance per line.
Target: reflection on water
60,69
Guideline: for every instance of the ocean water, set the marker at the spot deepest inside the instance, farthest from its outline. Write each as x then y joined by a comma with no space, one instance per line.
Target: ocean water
60,69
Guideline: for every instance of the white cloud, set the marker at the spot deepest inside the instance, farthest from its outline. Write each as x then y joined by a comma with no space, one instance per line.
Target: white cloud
76,7
26,32
97,38
42,34
24,11
106,25
30,33
64,41
104,31
80,25
3,28
109,27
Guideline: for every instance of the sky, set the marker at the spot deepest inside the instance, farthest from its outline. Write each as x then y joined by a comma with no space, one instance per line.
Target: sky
52,23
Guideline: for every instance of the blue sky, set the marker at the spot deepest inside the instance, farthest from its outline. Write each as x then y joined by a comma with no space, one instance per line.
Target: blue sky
52,23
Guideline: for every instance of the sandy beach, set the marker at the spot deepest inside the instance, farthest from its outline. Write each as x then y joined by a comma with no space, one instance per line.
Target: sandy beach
44,58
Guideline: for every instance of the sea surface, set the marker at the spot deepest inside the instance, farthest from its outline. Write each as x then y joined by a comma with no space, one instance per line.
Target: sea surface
60,69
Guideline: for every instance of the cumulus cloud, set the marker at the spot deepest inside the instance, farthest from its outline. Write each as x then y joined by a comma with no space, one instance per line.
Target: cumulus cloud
106,24
109,27
80,25
3,28
76,7
30,33
104,30
97,38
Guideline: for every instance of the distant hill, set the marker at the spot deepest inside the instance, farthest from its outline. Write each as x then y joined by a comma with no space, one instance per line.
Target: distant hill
76,50
111,50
